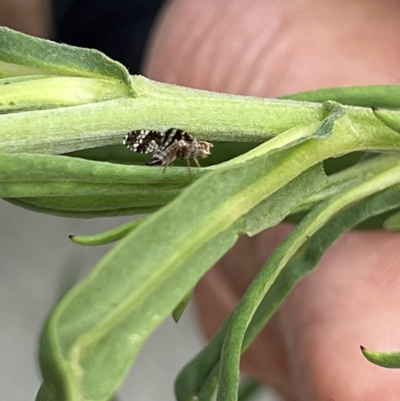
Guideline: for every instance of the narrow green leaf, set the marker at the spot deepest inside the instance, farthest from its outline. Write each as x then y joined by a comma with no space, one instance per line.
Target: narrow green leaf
52,92
21,54
180,308
70,190
75,187
97,203
392,223
390,118
108,236
386,96
344,179
82,188
88,214
24,167
385,359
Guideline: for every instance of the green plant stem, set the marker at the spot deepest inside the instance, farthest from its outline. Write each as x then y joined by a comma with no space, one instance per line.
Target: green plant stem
210,116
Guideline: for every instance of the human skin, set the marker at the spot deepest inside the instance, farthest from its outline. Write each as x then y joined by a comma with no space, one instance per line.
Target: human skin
310,349
29,16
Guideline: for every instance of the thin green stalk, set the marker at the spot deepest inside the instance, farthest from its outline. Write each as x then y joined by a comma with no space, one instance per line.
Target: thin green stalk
208,115
233,343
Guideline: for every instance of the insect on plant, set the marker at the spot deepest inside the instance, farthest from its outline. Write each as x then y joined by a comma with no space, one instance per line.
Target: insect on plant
167,146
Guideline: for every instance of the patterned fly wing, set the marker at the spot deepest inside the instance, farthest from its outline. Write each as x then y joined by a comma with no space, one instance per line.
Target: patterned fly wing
143,141
174,135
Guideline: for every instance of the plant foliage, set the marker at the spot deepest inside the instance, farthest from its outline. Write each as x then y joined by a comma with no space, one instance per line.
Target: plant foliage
56,99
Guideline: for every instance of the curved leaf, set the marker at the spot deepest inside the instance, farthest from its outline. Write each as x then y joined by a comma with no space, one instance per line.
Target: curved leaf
386,96
21,54
392,223
51,92
385,359
108,236
390,118
88,214
83,188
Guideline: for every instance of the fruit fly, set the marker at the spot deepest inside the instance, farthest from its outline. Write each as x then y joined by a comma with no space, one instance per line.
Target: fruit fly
167,146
